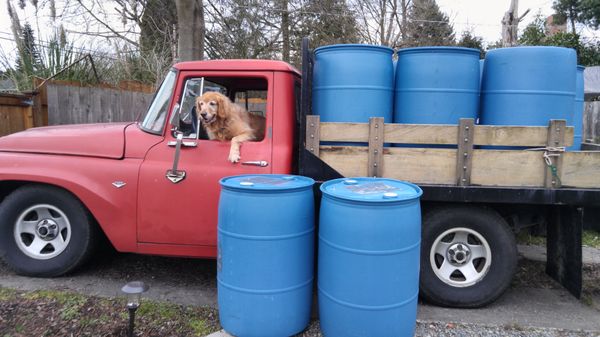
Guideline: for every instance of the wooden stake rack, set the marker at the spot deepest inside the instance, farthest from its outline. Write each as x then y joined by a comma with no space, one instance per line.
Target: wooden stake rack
459,155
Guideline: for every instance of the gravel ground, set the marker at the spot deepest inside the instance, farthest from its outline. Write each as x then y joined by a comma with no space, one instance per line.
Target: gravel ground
435,329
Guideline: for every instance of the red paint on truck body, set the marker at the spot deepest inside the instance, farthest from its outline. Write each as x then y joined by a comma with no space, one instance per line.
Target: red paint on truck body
150,214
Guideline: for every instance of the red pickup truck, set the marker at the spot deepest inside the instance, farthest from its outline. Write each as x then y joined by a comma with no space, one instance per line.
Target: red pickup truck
151,187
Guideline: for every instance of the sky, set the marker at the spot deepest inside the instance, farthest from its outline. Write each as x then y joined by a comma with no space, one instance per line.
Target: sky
481,17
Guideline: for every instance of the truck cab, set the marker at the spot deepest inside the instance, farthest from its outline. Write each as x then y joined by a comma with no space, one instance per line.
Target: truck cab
151,187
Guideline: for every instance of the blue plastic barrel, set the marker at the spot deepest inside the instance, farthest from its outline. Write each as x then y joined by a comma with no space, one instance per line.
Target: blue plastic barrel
578,110
265,255
368,269
528,85
352,82
436,85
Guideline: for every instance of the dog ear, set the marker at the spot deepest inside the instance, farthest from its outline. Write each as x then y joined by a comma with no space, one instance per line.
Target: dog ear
198,105
222,106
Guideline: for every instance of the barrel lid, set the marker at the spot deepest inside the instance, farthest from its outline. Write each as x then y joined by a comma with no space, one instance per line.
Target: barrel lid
531,49
354,47
371,189
266,182
439,49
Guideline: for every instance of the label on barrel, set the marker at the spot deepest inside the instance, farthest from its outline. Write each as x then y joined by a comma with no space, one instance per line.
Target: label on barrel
267,180
372,188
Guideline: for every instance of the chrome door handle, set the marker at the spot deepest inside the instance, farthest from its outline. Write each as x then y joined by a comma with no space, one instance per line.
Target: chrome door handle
260,163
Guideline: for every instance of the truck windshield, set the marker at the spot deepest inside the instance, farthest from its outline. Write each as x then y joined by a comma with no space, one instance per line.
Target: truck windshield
154,120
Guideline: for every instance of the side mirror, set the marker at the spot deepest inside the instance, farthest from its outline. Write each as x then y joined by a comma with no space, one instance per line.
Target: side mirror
175,118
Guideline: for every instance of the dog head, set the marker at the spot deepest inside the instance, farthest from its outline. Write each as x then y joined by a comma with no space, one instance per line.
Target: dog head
210,106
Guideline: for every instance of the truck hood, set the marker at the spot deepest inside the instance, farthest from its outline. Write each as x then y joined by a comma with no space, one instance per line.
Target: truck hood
91,140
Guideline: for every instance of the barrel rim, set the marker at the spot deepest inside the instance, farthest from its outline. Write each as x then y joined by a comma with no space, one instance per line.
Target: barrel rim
353,46
463,50
401,199
523,48
580,67
302,183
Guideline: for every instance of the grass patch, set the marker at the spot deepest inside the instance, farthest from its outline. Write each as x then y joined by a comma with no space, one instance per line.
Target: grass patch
591,238
200,327
158,310
525,238
7,294
73,314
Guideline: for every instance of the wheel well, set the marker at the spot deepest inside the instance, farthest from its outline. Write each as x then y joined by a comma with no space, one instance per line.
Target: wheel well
517,216
9,186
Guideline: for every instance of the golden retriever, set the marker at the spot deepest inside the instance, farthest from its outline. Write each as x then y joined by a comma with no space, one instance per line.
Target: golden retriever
225,120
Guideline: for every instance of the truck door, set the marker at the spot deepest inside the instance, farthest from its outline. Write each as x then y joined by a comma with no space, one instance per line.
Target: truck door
185,212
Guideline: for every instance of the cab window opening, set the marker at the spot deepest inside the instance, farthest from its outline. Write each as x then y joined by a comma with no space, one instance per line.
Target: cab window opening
248,93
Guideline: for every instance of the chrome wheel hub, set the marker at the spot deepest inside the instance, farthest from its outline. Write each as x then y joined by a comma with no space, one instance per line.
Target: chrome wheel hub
47,229
459,253
42,231
460,257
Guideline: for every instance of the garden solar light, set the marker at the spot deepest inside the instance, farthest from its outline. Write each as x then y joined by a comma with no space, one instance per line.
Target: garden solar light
134,292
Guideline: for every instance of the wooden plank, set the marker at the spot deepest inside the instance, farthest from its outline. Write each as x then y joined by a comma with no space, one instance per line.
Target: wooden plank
96,102
375,162
489,167
53,104
419,165
27,115
346,132
14,100
556,139
464,152
127,105
11,119
89,112
581,169
75,104
507,168
421,134
350,161
313,134
494,135
516,135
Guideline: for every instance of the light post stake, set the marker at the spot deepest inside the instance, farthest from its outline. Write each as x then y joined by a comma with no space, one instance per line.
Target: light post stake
134,291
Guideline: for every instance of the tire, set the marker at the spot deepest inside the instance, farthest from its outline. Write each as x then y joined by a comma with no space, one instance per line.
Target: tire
45,231
468,256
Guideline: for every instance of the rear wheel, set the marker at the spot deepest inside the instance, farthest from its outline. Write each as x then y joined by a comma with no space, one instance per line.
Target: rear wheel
468,256
44,231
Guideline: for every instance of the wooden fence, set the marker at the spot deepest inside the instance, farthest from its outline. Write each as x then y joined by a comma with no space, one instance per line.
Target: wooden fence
77,105
16,113
591,122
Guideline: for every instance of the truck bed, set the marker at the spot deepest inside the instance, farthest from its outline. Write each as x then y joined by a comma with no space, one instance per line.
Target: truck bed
471,161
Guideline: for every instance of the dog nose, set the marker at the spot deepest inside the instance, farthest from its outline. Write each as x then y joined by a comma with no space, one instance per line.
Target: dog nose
203,114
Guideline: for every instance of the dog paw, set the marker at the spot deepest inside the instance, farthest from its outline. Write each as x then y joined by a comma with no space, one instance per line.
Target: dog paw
234,157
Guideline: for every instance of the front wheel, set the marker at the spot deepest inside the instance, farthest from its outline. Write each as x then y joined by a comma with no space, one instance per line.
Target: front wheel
44,231
468,256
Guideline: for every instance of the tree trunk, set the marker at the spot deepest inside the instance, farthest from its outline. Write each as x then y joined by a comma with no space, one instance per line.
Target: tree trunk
572,18
190,21
510,23
285,30
404,20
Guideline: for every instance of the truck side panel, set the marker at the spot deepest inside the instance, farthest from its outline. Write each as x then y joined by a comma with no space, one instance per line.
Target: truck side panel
91,181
